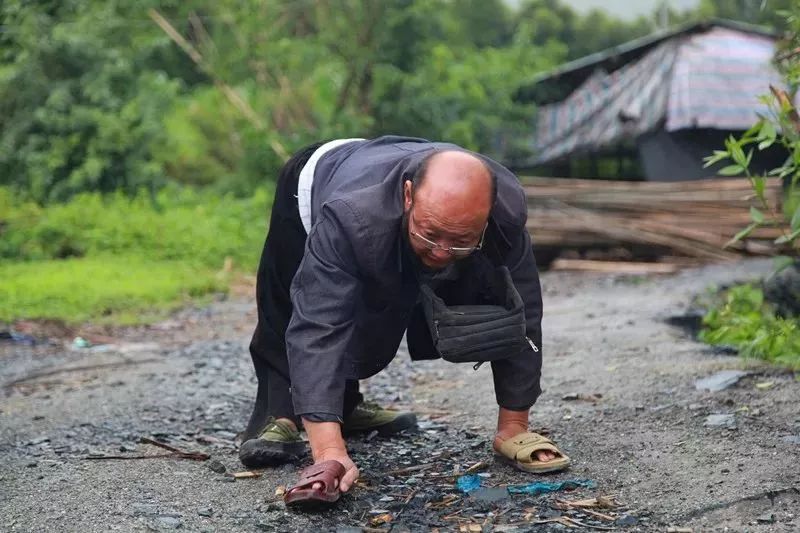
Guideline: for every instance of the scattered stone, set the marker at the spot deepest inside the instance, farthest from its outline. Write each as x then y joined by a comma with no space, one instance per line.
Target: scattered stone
791,439
206,511
766,518
718,420
783,290
579,396
216,466
348,529
720,381
626,520
490,494
32,464
146,509
549,513
169,522
38,440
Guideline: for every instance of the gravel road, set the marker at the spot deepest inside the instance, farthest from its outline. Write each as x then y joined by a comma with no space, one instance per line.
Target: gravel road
619,397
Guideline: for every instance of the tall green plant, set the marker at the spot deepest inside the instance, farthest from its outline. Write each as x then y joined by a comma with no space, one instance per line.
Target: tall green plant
781,125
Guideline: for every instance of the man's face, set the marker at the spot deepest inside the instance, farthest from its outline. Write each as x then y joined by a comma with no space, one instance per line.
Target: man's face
440,233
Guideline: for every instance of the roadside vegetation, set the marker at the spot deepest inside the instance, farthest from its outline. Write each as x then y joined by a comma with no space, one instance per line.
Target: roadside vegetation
745,320
118,258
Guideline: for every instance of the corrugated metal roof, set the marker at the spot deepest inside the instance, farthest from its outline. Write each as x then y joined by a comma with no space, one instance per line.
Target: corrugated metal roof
711,79
556,84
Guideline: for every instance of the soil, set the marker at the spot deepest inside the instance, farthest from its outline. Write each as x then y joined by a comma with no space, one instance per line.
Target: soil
619,398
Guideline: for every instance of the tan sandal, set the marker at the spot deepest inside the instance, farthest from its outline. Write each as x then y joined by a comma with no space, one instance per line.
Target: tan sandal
519,450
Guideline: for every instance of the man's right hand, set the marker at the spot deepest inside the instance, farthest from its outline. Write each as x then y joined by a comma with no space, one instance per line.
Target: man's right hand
327,443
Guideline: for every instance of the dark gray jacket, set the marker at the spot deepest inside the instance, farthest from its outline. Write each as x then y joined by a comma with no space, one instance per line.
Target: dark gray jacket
354,293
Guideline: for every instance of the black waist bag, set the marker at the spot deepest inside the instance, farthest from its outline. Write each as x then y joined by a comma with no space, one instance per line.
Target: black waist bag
481,332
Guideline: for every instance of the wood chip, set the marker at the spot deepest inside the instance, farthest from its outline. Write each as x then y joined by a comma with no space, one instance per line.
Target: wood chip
381,519
246,474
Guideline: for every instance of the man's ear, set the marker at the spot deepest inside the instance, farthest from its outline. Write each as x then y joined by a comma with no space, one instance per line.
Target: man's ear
407,195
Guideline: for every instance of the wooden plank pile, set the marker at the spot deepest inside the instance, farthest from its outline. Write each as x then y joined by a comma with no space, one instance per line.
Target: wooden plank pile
686,219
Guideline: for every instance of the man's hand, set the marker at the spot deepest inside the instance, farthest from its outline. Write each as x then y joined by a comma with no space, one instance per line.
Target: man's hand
325,439
511,424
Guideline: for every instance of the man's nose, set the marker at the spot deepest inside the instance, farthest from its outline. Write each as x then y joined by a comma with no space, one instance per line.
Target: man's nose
441,254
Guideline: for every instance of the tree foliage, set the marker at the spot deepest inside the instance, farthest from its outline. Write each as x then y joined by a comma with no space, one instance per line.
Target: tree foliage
80,98
125,95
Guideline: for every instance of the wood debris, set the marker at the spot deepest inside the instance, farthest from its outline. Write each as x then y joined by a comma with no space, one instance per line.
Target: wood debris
689,219
247,474
600,502
619,267
381,519
175,453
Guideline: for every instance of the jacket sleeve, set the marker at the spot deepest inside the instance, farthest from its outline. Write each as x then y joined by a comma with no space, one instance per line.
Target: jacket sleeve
516,380
323,294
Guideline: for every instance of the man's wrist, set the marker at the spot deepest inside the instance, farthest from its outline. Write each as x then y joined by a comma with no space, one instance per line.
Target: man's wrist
324,437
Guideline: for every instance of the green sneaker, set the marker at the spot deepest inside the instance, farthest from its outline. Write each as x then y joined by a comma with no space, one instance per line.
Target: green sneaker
278,443
368,416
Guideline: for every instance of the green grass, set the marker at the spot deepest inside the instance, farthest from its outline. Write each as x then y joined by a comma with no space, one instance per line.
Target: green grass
122,260
742,318
113,289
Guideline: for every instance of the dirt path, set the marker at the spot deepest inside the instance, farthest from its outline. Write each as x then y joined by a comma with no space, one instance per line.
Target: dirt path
188,382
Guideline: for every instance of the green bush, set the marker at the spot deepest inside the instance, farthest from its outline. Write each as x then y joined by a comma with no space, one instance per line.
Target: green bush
744,320
177,224
119,259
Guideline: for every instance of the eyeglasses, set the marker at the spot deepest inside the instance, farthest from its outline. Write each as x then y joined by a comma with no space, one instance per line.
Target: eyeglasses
455,251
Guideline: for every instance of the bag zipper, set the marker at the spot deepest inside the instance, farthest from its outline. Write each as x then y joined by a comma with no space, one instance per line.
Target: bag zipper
477,365
533,346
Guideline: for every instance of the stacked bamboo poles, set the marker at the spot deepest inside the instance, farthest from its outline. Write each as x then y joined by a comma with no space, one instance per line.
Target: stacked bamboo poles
686,218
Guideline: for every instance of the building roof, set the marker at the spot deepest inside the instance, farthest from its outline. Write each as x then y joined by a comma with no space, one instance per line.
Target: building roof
553,86
693,79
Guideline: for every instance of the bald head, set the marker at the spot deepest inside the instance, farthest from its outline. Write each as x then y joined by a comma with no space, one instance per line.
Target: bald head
456,175
448,204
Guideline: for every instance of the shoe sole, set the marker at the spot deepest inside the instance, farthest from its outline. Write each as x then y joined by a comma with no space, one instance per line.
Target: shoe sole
257,453
401,423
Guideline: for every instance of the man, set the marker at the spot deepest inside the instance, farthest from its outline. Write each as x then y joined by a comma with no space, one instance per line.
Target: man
358,227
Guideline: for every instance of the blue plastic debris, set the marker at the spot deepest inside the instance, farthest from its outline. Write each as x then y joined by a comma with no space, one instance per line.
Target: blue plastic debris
468,483
80,342
541,487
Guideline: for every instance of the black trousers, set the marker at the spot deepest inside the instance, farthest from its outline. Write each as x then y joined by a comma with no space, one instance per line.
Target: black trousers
280,259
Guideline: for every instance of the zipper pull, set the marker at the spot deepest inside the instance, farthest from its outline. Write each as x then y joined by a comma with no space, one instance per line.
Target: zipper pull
477,365
533,346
